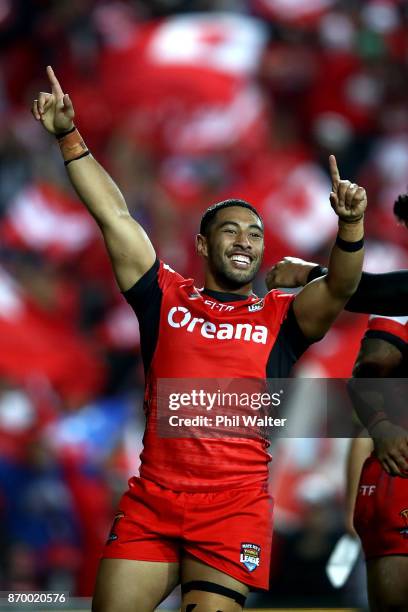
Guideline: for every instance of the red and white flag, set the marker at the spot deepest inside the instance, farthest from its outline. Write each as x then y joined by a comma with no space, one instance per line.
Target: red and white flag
185,84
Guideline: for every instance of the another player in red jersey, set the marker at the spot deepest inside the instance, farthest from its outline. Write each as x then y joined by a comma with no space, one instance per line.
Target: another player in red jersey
377,469
377,495
200,513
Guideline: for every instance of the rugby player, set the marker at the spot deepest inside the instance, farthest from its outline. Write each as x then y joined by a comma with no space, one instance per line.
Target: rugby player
200,512
377,474
377,466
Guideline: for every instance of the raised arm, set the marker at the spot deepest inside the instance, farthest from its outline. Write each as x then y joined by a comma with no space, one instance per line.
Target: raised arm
321,301
128,245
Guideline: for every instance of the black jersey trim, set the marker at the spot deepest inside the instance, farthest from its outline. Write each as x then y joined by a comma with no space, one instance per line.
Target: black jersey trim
400,344
145,297
138,290
289,346
222,296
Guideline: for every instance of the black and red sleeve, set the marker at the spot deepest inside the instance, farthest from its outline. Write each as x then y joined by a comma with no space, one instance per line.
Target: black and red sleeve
145,297
393,330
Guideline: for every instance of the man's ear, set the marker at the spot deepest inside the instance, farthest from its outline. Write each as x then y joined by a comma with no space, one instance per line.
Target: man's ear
201,245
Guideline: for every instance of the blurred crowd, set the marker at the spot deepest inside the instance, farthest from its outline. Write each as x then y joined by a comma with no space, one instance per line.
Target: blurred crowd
185,102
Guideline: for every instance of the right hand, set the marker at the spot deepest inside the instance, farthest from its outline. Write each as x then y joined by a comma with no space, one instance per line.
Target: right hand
288,272
391,448
54,110
348,200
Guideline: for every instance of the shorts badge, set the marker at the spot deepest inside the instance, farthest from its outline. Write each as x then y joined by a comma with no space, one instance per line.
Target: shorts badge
113,536
404,530
250,555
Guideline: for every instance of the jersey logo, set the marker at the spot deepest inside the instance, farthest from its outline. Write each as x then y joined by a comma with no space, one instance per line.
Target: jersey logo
404,530
257,306
250,555
218,306
179,317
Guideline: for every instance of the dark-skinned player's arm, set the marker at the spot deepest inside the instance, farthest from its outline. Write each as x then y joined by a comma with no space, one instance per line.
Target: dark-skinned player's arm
382,293
380,359
320,302
129,248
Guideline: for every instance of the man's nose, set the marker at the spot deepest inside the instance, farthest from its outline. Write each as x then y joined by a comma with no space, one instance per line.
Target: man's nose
242,240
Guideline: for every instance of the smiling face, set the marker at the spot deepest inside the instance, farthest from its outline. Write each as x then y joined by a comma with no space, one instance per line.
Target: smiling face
233,249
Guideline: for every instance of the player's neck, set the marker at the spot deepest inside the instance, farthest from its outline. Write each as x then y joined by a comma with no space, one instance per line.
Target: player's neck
224,287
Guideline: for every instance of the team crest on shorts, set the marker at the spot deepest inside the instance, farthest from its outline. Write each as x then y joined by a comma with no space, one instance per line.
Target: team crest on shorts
250,555
404,530
112,535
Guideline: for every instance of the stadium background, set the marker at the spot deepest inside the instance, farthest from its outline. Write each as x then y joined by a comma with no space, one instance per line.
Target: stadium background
185,103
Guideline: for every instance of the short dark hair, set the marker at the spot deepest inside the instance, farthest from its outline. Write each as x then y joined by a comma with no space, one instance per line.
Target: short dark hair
209,215
401,207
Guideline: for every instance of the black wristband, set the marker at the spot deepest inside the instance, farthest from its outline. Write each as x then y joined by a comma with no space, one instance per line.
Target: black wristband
63,134
316,272
75,158
350,247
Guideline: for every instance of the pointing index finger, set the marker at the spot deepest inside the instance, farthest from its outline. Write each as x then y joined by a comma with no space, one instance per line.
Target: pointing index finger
55,86
334,172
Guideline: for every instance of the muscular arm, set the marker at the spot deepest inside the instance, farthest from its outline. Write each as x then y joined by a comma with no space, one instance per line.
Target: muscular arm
129,248
376,359
128,245
383,294
380,359
321,301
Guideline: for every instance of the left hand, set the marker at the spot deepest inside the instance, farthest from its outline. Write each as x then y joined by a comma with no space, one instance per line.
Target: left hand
391,448
288,272
348,200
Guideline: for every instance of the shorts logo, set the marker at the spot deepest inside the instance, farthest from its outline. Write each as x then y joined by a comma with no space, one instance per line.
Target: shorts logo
367,489
404,530
250,555
113,536
257,306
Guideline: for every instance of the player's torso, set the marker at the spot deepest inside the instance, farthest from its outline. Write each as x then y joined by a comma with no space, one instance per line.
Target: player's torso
202,338
189,334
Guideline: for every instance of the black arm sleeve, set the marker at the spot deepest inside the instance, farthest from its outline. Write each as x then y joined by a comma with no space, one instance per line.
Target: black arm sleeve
382,294
289,346
145,297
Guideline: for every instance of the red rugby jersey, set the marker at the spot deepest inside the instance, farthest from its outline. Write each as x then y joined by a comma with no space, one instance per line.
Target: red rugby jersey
392,329
191,333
